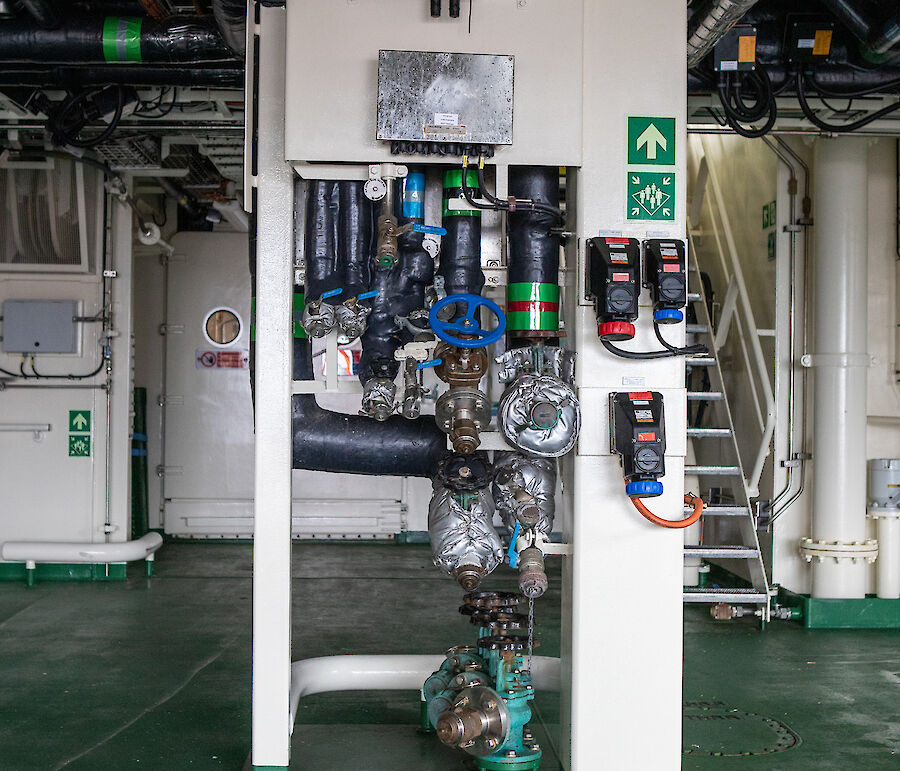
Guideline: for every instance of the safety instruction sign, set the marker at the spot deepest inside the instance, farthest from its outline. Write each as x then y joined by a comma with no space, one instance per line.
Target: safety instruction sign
651,196
80,421
227,359
79,446
651,141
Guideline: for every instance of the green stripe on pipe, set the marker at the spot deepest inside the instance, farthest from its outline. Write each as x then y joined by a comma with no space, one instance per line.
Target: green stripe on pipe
532,291
121,39
532,321
297,315
453,178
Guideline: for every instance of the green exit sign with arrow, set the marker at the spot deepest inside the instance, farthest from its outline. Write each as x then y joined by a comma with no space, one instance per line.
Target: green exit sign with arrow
80,421
651,141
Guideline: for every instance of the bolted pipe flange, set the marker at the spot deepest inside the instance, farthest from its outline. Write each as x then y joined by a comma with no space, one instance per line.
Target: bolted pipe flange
838,551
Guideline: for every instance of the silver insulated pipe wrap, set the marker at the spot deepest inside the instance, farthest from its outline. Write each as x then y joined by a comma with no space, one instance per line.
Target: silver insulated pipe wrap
463,535
524,491
710,24
540,415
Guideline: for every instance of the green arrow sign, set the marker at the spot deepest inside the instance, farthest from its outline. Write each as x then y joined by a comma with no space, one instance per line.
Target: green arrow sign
80,421
651,196
651,141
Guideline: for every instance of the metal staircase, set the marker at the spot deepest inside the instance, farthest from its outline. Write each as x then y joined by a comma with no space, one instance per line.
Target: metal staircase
729,535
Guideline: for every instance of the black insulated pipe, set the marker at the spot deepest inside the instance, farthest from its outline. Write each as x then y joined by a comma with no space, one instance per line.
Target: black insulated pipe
436,8
137,75
454,9
879,35
231,16
109,39
43,12
356,229
401,290
461,247
352,444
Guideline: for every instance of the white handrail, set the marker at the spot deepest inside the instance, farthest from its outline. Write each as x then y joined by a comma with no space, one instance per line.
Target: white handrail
89,553
751,331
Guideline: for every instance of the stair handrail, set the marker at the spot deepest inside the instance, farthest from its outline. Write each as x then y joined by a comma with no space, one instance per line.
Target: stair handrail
748,326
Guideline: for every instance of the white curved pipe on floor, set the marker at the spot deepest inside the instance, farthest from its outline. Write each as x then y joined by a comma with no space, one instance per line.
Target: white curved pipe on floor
92,553
328,674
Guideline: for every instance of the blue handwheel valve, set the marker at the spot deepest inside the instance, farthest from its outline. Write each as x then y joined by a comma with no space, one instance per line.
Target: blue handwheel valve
476,336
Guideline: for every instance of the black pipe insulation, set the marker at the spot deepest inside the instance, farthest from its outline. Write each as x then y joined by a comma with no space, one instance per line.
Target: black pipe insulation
137,75
43,12
533,264
844,79
352,444
460,264
435,7
231,16
401,288
320,247
114,39
876,33
356,229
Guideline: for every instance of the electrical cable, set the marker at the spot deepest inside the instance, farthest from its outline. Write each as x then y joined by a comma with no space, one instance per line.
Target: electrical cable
67,135
86,376
496,204
690,499
738,111
158,105
639,354
890,85
689,350
832,127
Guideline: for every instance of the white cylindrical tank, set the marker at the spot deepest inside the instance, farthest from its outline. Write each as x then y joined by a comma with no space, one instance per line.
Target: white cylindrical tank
884,508
840,361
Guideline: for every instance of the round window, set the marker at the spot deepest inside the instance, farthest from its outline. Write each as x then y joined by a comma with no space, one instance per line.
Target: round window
222,326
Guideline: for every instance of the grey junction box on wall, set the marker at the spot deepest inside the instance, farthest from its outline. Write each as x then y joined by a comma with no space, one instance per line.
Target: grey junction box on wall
39,326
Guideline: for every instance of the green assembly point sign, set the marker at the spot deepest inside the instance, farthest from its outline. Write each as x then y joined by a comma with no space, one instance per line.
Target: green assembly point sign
768,215
651,141
79,446
651,196
80,421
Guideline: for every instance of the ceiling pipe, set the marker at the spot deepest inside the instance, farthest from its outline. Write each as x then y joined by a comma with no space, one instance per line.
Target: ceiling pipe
231,16
879,36
43,13
710,23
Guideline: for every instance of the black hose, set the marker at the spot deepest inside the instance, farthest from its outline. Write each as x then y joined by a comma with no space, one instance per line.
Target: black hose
834,127
638,354
689,350
352,444
401,290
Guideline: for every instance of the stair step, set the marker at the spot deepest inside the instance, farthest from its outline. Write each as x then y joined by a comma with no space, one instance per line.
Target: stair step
700,361
709,433
721,511
751,596
705,396
696,329
713,471
722,552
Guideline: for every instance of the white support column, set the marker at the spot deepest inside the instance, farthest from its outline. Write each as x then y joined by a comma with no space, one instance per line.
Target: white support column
840,361
273,370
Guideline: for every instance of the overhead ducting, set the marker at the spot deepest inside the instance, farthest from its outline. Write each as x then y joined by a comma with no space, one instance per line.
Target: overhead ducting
876,33
231,16
710,23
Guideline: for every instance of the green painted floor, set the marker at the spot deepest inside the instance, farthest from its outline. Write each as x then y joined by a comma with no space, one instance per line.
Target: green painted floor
156,674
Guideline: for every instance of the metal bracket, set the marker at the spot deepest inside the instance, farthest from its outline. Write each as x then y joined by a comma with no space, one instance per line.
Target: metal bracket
842,360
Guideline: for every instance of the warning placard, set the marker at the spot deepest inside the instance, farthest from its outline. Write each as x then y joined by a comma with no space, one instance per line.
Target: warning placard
230,358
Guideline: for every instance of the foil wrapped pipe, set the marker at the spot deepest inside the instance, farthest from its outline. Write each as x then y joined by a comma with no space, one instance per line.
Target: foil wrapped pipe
524,491
333,441
401,288
540,415
464,543
532,291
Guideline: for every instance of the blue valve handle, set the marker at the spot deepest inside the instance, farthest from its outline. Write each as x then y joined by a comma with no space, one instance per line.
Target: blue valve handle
467,325
429,363
511,552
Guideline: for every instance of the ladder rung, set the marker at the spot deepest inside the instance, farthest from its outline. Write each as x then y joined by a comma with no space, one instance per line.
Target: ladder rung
725,595
705,396
696,329
722,552
709,433
713,471
700,361
721,511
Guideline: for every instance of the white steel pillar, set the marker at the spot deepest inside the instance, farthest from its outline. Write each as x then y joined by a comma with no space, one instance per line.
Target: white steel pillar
840,361
273,370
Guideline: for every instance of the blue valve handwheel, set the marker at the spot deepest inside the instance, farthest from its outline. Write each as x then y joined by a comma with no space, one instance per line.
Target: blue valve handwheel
467,325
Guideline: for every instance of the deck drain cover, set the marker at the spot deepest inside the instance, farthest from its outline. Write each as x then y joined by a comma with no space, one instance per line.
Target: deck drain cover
714,728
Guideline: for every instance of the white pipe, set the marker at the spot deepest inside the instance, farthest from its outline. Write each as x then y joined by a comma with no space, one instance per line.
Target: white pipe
840,361
328,674
887,566
94,553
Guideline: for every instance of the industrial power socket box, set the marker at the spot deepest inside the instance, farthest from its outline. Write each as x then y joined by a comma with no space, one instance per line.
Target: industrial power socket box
39,326
445,97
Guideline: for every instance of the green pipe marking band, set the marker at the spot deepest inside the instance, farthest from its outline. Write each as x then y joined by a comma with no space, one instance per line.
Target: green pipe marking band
122,39
532,307
453,189
297,315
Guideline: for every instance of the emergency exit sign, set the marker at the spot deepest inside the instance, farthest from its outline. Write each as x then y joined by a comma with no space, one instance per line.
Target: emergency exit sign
651,141
80,421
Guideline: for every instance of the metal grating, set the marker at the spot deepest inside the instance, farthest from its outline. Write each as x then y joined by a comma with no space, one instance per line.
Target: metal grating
133,153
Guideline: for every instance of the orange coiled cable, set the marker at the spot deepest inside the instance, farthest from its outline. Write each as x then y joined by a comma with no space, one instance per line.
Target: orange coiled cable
690,499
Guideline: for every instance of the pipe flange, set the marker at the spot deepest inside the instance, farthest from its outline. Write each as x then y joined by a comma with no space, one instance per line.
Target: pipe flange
875,512
854,551
494,723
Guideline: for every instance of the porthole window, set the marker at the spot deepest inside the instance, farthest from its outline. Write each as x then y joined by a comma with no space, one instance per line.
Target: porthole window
222,326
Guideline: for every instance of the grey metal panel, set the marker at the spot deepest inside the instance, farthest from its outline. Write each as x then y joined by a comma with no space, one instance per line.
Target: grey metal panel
445,97
39,326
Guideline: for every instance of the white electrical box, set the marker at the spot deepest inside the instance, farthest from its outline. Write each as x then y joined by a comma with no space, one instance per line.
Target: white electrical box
39,326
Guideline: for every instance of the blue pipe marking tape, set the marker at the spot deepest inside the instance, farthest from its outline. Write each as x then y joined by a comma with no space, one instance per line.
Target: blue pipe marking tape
511,552
332,293
429,363
139,437
138,453
431,229
369,295
414,196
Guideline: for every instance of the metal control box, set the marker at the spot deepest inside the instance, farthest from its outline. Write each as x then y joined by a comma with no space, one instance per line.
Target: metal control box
445,97
39,326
